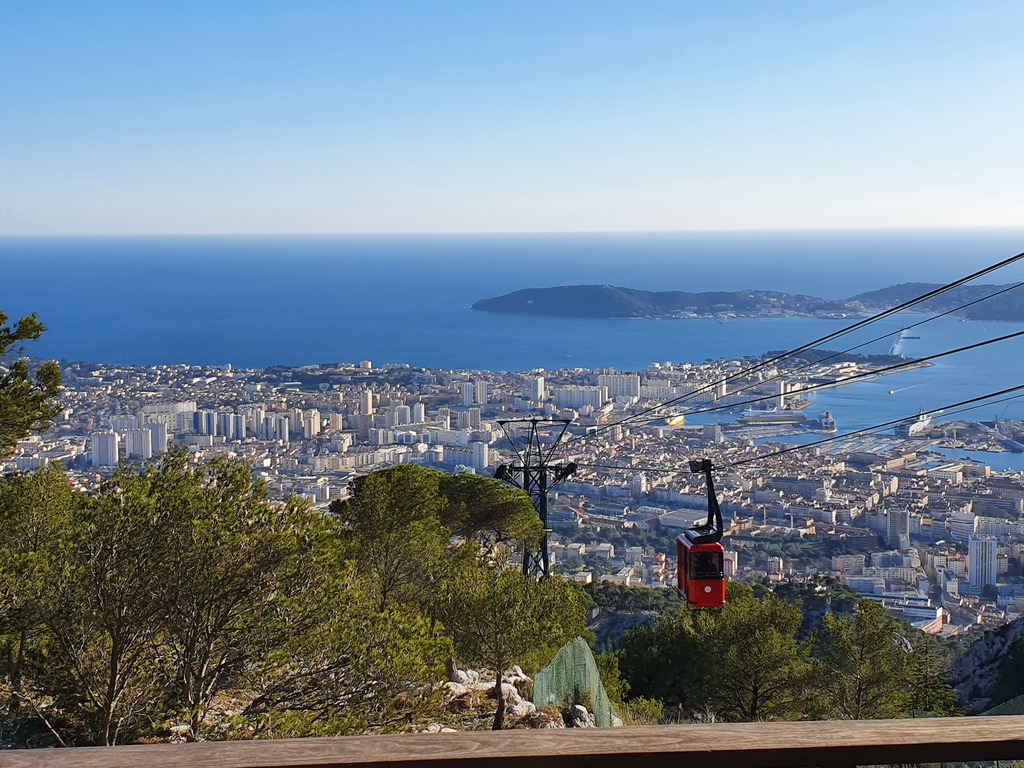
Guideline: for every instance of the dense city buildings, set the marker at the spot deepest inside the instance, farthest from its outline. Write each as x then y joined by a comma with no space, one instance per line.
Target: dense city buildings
938,542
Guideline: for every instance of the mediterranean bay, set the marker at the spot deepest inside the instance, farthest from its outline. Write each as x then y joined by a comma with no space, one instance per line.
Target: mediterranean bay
255,302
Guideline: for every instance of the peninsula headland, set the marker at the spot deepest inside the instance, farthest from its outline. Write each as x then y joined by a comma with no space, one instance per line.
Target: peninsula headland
609,301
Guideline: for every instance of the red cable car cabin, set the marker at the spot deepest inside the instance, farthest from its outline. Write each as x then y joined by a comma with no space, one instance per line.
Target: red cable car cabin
701,558
701,572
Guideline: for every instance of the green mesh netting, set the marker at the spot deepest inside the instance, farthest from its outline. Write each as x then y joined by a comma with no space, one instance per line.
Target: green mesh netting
572,678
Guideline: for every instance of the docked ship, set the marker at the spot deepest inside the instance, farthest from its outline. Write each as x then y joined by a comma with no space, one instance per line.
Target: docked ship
826,423
771,416
922,425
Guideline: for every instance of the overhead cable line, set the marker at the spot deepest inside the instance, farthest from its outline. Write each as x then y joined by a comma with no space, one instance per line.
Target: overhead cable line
884,425
914,363
834,355
811,344
951,410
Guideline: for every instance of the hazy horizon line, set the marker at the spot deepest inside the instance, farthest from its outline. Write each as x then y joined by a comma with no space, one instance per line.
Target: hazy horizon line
523,233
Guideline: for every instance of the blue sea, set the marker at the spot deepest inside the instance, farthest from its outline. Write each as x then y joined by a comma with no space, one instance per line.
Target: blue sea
260,301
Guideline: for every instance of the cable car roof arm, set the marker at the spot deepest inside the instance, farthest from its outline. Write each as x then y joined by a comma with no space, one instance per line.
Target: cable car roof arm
711,530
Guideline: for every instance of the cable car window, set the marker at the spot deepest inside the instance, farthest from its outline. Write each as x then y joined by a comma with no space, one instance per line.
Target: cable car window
706,565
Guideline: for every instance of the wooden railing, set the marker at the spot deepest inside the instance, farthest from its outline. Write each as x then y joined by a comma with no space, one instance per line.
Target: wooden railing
834,744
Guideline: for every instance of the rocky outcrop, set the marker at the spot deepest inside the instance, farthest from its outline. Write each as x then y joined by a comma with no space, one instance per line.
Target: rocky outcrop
471,691
977,673
472,698
577,716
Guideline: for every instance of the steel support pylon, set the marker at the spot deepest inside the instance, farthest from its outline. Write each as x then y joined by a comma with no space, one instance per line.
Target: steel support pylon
534,474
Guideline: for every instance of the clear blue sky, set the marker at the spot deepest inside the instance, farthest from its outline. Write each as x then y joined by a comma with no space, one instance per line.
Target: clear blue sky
435,116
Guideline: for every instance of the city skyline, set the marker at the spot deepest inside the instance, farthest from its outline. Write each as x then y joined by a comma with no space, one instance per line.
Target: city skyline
454,117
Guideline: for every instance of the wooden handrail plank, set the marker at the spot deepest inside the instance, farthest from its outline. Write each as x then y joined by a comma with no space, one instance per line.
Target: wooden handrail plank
716,745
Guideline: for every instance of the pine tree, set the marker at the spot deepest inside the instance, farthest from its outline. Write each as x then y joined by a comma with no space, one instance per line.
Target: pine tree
499,618
862,666
756,667
26,401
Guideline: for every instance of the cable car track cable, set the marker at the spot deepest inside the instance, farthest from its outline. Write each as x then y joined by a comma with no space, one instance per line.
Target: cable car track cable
870,430
832,356
866,374
952,409
812,344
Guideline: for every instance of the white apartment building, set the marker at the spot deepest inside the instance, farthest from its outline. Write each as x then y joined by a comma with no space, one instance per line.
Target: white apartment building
573,396
898,528
962,525
104,449
122,423
177,417
537,389
481,455
620,384
158,437
981,562
138,444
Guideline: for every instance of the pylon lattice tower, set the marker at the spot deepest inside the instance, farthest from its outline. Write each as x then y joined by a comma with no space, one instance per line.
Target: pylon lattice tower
533,472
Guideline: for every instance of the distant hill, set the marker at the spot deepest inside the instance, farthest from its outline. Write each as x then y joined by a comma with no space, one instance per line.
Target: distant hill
614,301
1007,306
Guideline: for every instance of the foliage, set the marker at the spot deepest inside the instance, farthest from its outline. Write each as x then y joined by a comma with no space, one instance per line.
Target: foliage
748,662
181,585
489,512
641,711
866,667
756,667
632,710
665,661
392,527
35,511
611,677
927,668
501,617
817,596
104,620
632,599
398,524
232,582
352,671
860,665
26,401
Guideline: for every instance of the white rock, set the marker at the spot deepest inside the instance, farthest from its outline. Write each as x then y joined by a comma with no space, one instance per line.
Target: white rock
515,675
457,689
522,708
579,717
511,693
